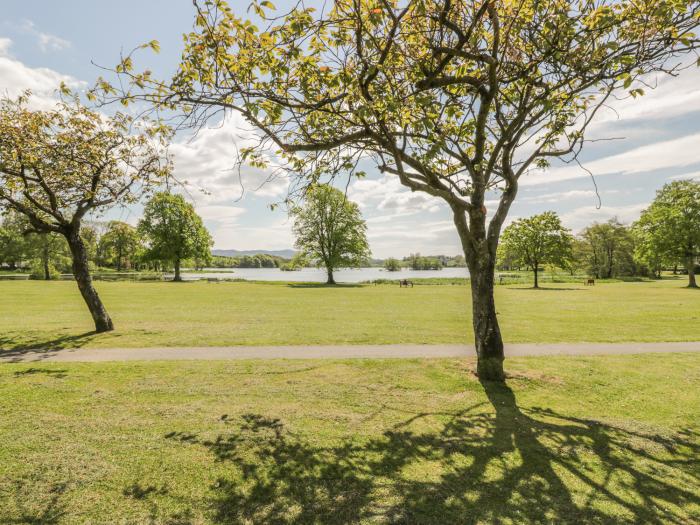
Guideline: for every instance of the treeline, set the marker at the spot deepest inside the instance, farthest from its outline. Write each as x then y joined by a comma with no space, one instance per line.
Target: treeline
248,261
665,237
602,250
416,261
169,236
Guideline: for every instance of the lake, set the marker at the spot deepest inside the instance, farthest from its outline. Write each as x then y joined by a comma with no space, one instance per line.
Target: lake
308,275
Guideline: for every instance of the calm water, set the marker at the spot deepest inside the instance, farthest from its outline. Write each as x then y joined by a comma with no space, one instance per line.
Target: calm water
319,275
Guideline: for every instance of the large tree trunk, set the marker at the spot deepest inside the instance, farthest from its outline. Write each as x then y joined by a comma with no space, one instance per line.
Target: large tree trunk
81,273
537,271
330,280
177,278
480,254
690,265
487,334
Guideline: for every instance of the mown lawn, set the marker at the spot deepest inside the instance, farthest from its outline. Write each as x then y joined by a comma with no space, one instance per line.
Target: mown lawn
208,314
612,439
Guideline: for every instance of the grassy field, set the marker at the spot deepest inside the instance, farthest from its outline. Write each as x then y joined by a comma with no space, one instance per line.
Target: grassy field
571,440
210,314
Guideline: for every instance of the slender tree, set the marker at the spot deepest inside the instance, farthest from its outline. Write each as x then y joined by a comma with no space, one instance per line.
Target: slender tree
330,229
537,240
50,253
458,99
669,229
58,165
173,231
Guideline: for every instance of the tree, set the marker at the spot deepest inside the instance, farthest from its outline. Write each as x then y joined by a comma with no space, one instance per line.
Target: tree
330,229
610,249
91,238
580,252
417,262
669,229
120,244
60,164
537,240
14,248
456,99
174,231
20,246
50,252
392,264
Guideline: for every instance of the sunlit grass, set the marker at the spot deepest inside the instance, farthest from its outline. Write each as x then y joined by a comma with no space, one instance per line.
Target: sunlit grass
209,314
573,440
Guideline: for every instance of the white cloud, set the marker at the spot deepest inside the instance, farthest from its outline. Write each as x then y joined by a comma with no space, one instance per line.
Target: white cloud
675,153
666,97
579,218
556,197
692,175
46,41
49,42
388,194
274,236
16,77
207,161
5,44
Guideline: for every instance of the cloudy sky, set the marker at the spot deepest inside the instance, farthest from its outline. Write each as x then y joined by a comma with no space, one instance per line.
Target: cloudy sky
44,42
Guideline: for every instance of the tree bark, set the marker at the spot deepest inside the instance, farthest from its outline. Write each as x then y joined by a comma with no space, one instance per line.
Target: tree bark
330,280
81,273
537,271
480,254
45,261
177,277
690,265
487,333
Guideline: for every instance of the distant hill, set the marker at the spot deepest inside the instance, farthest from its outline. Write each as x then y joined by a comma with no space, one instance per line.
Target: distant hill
285,254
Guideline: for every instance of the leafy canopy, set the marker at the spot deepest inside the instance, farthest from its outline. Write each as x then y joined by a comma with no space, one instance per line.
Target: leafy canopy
537,240
57,165
670,227
330,229
173,230
120,243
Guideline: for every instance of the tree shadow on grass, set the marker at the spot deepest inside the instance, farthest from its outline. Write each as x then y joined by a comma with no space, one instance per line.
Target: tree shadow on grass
27,512
12,350
58,374
504,465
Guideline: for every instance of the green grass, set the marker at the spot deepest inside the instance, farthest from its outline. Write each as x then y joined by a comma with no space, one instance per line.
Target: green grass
36,314
211,314
572,440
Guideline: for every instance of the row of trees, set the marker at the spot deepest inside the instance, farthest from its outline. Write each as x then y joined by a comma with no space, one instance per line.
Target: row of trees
667,235
169,233
259,260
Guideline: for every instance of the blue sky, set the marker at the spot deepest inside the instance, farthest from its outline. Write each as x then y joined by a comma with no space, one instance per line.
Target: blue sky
44,41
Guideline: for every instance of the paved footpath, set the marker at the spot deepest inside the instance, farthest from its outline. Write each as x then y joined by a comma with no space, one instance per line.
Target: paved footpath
93,355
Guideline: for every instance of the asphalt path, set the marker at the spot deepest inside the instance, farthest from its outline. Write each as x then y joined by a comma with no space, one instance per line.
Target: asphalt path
402,351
